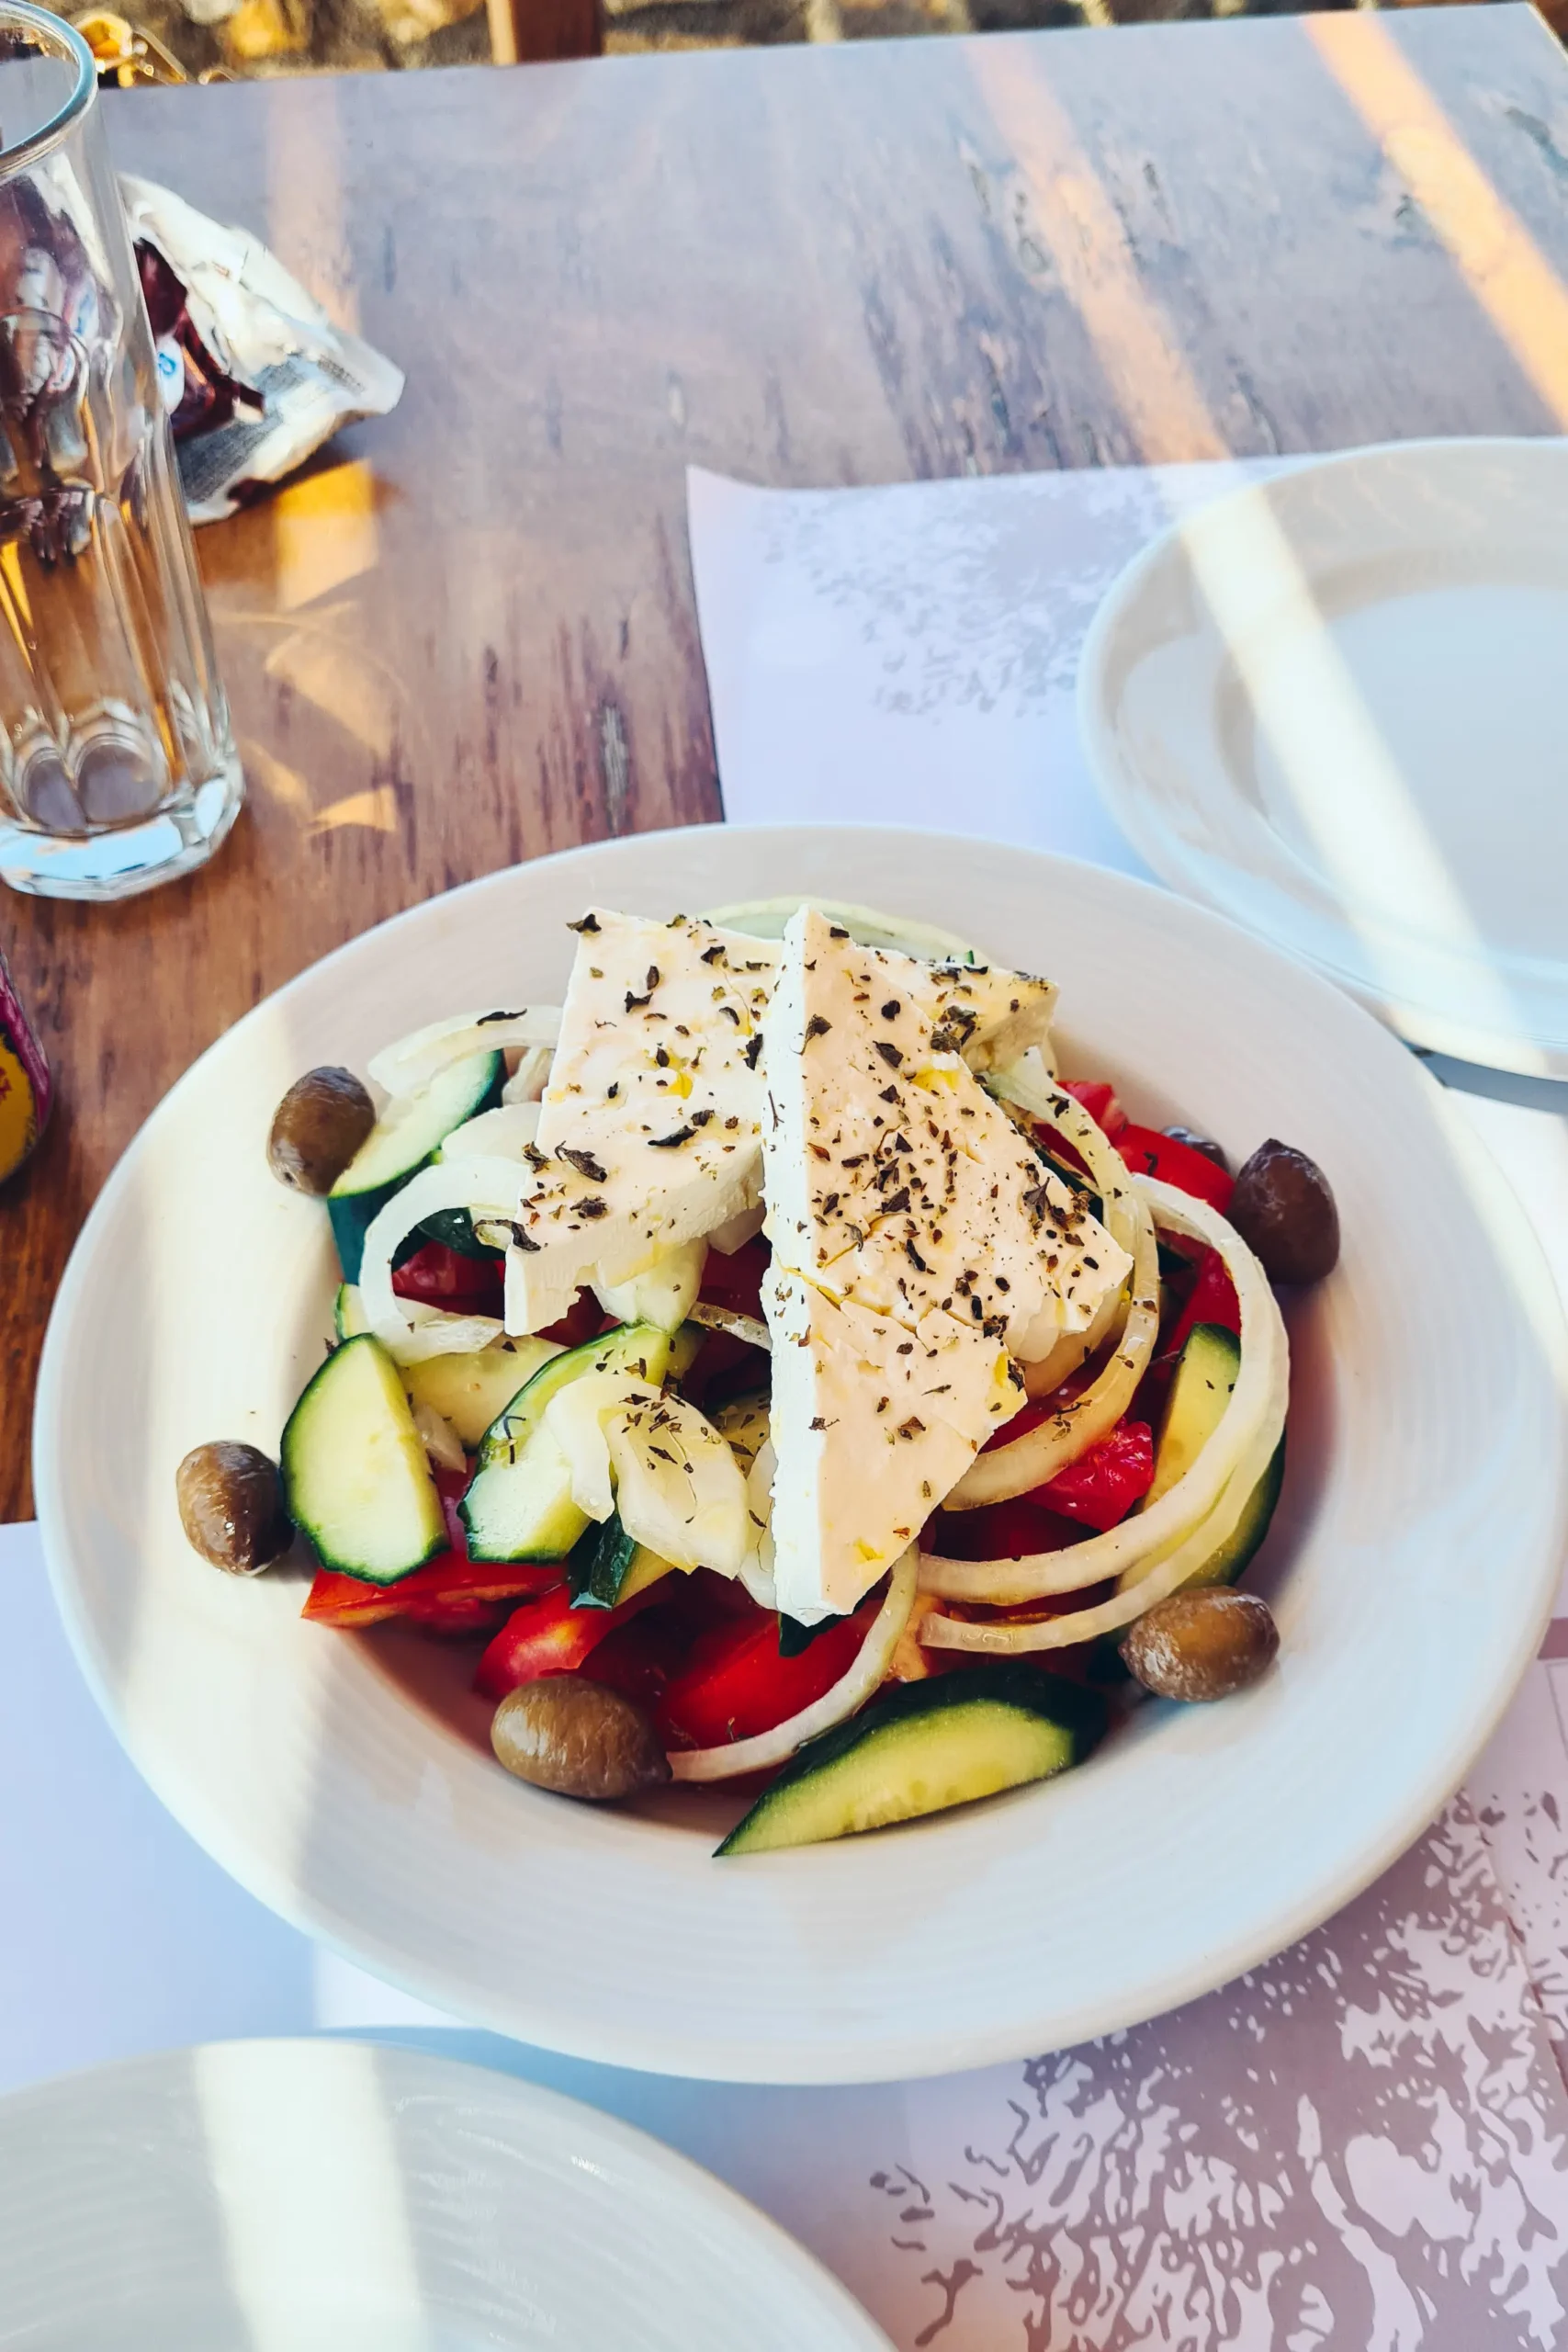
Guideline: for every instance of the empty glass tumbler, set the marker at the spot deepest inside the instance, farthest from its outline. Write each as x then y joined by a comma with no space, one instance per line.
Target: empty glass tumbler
117,766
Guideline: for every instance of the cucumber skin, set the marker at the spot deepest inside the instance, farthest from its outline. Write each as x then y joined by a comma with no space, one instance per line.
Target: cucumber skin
506,1441
600,1562
1227,1562
353,1214
1224,1565
296,1432
1074,1707
512,1426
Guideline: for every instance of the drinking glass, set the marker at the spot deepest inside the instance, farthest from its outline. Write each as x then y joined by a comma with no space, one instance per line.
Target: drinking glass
117,766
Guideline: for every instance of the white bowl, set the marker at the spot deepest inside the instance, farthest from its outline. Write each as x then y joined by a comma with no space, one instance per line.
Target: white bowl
346,1779
333,2197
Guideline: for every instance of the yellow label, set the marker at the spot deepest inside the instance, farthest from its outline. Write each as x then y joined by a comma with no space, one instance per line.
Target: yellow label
19,1112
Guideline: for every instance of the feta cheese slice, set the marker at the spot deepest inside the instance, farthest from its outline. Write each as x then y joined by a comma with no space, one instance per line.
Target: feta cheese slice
893,1179
875,1422
650,1128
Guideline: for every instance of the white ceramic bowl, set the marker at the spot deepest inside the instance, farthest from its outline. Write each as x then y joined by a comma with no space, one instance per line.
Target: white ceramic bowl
346,1779
333,2197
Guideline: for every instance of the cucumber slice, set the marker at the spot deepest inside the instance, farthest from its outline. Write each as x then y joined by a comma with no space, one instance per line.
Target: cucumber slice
519,1506
349,1312
636,1349
608,1565
1226,1563
403,1138
470,1390
355,1474
523,1510
1200,1391
920,1748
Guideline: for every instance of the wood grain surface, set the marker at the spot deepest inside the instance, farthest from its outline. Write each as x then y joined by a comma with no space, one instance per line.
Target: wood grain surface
468,635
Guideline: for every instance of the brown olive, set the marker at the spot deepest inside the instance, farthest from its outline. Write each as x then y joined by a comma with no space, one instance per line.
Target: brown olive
1206,1144
316,1128
1284,1210
231,1506
578,1739
1203,1644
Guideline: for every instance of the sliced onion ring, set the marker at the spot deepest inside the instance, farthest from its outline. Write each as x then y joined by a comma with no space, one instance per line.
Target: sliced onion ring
414,1060
739,1326
1256,1411
485,1187
866,1675
1017,1469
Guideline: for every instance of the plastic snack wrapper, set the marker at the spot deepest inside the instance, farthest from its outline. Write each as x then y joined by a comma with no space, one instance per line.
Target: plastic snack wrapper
256,375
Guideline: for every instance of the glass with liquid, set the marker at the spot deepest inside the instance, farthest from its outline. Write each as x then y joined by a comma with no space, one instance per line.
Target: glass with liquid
117,766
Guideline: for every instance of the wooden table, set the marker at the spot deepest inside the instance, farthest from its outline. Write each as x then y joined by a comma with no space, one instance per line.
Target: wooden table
468,635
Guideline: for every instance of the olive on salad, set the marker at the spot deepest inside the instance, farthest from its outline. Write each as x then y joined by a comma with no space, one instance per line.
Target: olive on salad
230,1503
316,1128
578,1739
1202,1645
1284,1211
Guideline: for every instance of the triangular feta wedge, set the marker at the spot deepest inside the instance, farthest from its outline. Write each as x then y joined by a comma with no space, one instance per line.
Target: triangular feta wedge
650,1128
892,1178
873,1423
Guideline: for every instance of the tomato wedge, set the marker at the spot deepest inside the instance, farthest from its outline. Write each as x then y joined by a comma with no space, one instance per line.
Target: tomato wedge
450,1594
1171,1162
1099,1101
737,1685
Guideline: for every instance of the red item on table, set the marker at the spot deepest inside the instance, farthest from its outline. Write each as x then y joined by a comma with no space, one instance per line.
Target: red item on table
737,1685
25,1091
1170,1161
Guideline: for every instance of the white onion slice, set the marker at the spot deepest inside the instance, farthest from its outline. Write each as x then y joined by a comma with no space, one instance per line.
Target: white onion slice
1053,1445
526,1083
866,1675
413,1061
1257,1408
433,1333
1163,1577
485,1187
502,1132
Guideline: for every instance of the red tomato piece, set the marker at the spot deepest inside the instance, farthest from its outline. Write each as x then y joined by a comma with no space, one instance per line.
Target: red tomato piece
1102,1487
583,1321
445,1590
1211,1299
550,1636
1011,1531
734,1279
725,1367
737,1684
436,1276
641,1657
1148,1153
1099,1101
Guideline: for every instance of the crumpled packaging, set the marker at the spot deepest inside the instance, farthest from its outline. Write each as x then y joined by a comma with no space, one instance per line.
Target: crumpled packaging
254,374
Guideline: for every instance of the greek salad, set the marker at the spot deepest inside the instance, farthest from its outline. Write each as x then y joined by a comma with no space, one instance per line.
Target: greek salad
779,1374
